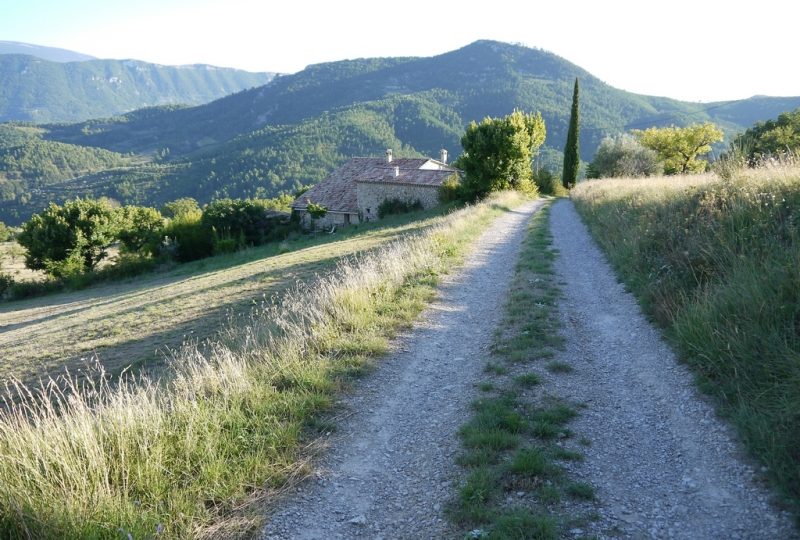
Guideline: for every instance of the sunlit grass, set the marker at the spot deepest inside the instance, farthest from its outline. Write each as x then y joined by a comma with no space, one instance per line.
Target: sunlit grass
130,322
192,455
717,263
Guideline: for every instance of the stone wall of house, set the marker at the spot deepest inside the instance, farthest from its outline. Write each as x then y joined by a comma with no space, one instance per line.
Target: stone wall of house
329,219
370,196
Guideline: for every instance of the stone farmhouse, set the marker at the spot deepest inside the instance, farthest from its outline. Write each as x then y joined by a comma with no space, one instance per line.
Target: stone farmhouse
353,192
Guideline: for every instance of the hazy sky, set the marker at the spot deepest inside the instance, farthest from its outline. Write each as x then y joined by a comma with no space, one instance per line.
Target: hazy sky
693,50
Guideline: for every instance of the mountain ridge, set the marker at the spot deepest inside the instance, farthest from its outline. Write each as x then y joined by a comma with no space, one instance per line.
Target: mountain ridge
38,90
53,54
273,138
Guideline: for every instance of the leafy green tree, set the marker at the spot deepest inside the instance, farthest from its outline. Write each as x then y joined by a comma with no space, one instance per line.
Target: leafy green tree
180,207
623,156
498,153
679,148
78,233
140,229
188,240
572,159
773,137
247,221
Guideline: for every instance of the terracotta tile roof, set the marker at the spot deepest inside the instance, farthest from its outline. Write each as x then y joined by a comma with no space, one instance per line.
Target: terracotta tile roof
337,191
418,177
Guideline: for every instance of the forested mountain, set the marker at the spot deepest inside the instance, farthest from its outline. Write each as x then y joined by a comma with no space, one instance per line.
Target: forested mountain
294,130
53,54
37,90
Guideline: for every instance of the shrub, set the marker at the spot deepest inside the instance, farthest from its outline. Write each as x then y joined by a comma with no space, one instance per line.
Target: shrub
623,156
548,183
250,222
316,211
187,239
450,190
226,243
398,206
6,283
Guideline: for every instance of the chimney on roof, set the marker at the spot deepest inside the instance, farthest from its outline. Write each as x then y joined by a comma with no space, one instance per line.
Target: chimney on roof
443,156
389,155
396,172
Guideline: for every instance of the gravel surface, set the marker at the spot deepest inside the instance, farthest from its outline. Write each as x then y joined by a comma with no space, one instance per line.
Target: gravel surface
663,465
391,465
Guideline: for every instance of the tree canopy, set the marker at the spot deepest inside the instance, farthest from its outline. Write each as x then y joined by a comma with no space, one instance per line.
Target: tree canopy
180,207
78,233
498,153
139,228
772,137
623,156
679,148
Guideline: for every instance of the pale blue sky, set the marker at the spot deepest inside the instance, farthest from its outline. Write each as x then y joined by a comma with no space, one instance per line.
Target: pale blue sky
692,50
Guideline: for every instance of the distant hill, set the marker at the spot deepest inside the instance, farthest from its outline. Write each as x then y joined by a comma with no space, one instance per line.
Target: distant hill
265,140
37,90
484,78
53,54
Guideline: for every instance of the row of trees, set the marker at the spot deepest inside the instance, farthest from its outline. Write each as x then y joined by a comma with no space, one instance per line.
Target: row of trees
667,150
675,150
74,238
498,152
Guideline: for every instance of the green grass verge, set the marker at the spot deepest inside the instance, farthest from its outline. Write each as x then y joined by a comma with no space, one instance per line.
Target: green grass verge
515,484
195,454
717,263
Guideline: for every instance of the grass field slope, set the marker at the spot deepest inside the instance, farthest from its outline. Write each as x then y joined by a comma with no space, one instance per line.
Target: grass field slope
134,322
194,454
717,263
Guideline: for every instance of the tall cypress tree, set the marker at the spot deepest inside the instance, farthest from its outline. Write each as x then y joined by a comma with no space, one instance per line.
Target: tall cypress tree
571,151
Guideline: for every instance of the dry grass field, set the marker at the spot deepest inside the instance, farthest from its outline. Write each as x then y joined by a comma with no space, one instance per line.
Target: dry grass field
138,321
198,452
12,263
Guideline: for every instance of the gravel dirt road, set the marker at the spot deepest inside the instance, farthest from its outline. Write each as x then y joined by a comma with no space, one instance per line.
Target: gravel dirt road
391,465
662,463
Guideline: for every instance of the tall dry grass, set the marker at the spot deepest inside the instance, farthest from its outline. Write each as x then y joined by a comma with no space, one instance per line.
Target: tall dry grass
192,455
717,262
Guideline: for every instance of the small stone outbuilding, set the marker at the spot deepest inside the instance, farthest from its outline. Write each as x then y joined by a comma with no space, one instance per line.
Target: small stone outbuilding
353,192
